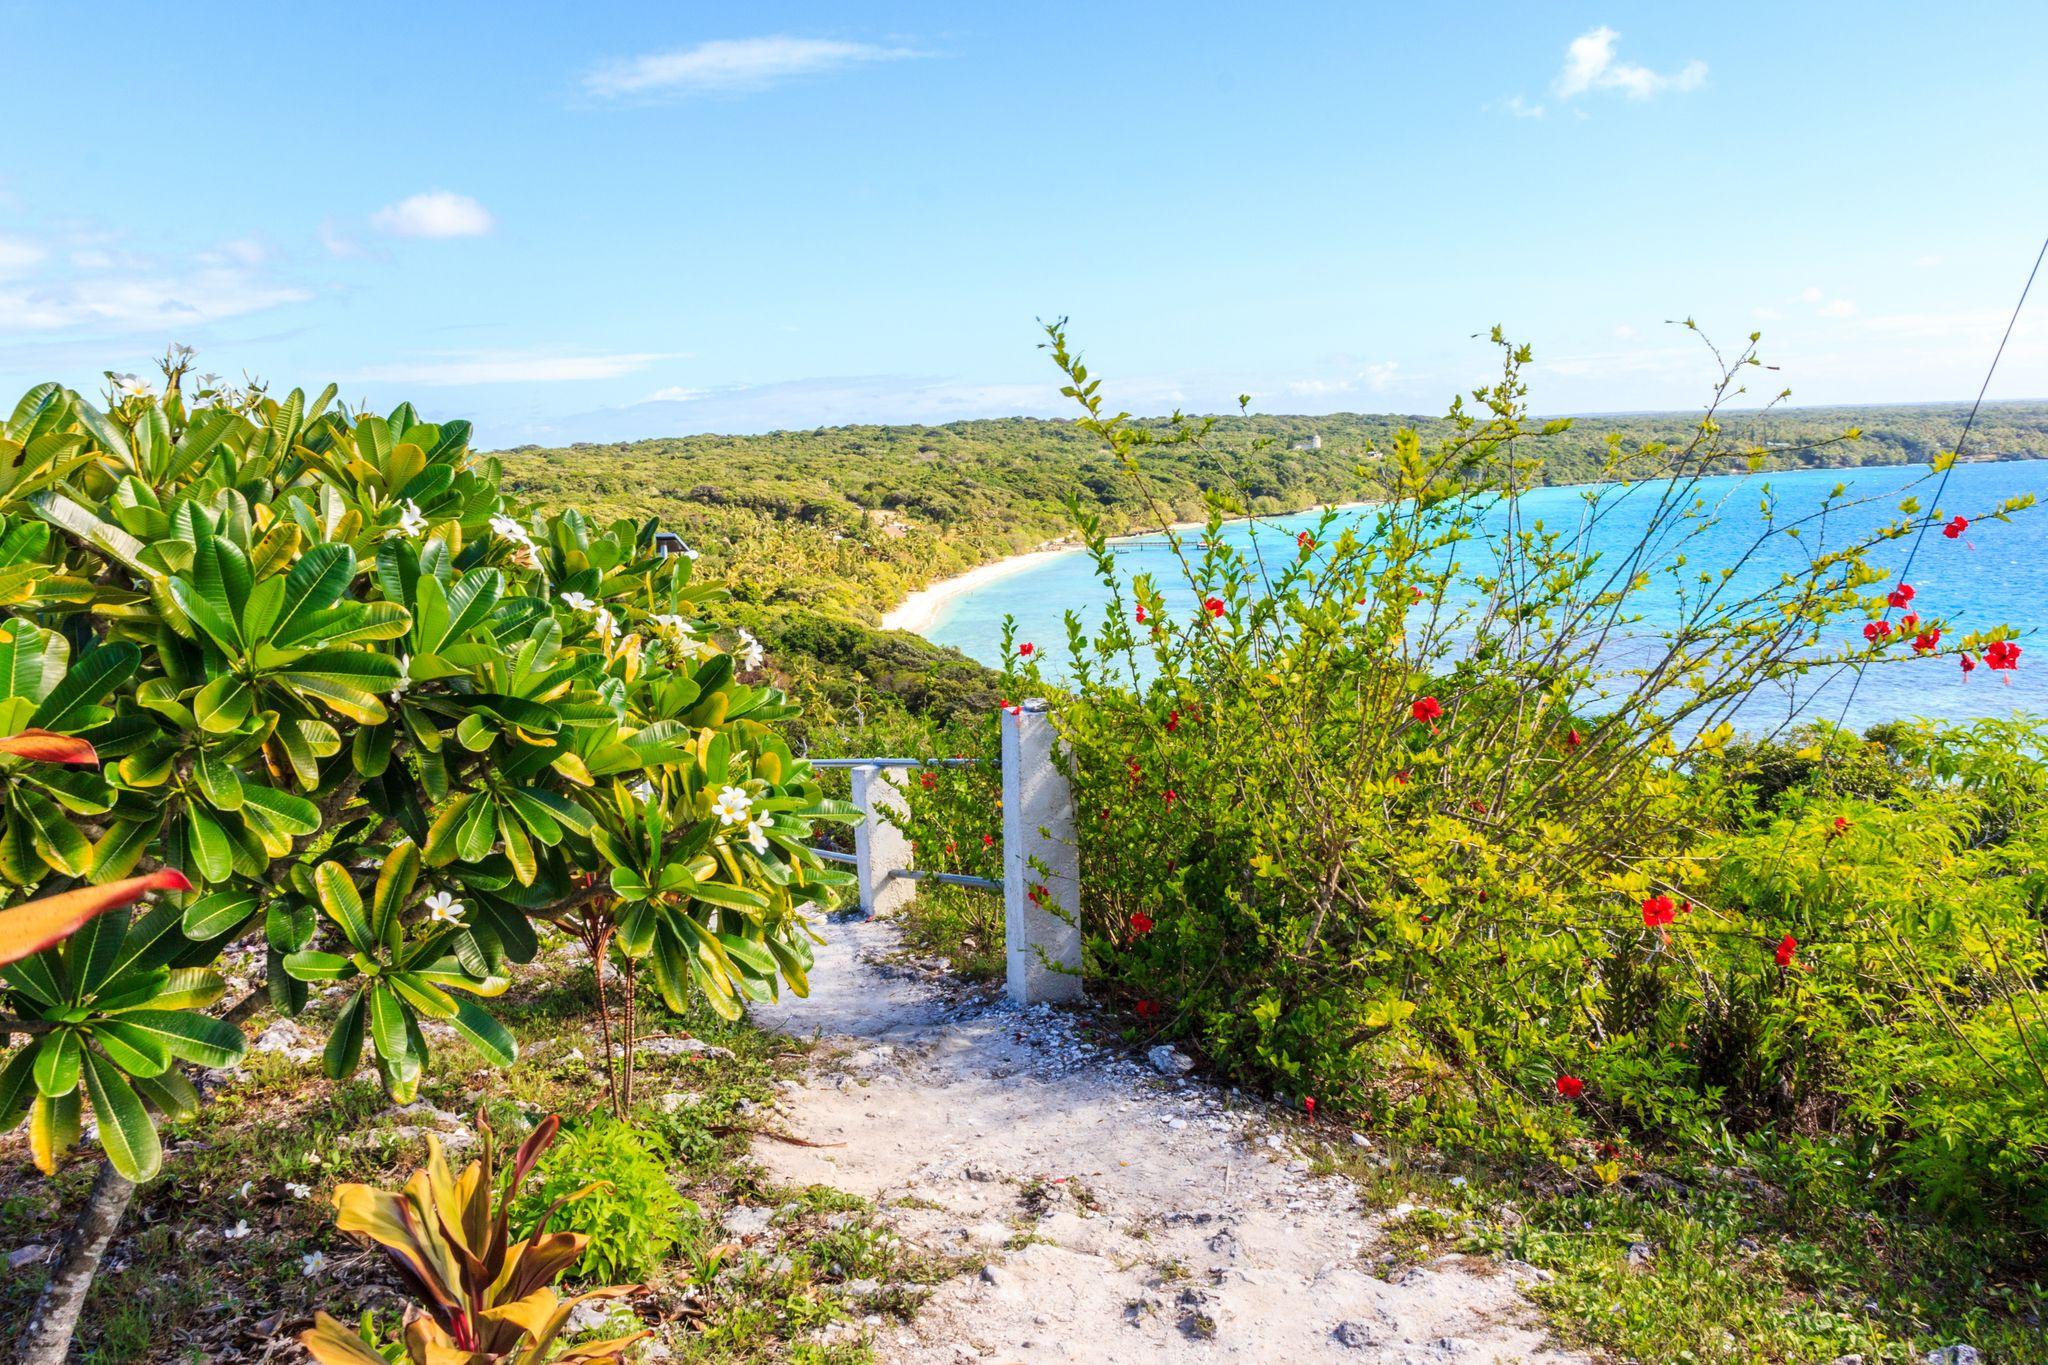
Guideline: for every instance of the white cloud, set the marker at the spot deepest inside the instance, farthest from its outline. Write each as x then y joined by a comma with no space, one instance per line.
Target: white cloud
436,213
1626,332
1375,377
1838,308
1519,107
1811,294
1766,314
338,242
731,64
448,371
1927,262
1589,64
130,302
17,256
676,393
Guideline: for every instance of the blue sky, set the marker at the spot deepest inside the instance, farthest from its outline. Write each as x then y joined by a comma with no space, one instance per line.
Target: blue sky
608,220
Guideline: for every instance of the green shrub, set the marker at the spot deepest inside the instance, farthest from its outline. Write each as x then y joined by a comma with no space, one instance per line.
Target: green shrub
632,1214
1379,815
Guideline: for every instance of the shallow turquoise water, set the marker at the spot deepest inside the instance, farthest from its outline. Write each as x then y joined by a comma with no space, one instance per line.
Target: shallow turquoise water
1997,573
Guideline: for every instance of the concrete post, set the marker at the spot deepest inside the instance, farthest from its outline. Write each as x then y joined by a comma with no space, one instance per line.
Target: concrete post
880,848
1040,856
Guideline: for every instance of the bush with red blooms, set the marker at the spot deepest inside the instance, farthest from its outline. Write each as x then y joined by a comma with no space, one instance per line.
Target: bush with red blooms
1413,833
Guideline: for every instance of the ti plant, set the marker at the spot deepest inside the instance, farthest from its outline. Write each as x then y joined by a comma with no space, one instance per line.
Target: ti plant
484,1297
375,718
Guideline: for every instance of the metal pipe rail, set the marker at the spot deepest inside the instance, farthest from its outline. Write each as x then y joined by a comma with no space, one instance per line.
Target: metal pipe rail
1041,882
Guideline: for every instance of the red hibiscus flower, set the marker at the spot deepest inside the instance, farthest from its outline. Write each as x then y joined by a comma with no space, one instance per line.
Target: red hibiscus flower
927,781
1573,739
1900,595
1570,1086
1910,621
1308,1102
1877,630
1132,764
1036,895
1426,708
1787,946
1401,777
1172,721
1170,796
1141,924
1967,662
1213,605
1026,650
1147,1009
1841,824
1657,910
988,841
1956,526
951,848
1141,616
2001,654
1926,642
1304,540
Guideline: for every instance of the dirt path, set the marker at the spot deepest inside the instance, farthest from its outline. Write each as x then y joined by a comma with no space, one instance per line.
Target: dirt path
1125,1216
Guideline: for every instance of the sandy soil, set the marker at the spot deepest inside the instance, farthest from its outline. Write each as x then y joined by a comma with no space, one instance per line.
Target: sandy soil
1124,1215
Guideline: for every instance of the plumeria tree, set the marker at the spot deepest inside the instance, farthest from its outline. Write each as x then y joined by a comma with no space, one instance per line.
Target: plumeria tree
381,717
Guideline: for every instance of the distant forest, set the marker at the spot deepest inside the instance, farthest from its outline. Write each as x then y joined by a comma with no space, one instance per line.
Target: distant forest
851,518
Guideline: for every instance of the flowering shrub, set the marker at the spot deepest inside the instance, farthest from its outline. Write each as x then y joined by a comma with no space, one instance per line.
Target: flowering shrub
1413,813
381,717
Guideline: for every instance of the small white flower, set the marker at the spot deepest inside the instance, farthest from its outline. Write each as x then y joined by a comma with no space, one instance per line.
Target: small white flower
750,651
312,1263
243,1193
607,626
731,805
404,682
443,908
134,385
643,789
576,601
525,557
510,528
690,555
237,1232
411,522
757,833
298,1191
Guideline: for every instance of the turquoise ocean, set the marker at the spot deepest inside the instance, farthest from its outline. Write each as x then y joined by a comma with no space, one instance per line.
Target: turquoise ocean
1996,573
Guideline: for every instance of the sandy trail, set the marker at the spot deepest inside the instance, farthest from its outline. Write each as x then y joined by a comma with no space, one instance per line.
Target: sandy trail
1125,1216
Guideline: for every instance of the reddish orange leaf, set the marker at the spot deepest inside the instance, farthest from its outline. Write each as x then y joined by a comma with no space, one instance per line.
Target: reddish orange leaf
35,926
44,747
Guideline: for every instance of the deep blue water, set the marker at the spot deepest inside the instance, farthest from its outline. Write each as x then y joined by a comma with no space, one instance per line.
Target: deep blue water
1997,573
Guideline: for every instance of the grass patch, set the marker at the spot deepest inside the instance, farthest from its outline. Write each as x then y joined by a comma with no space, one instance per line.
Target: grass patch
1703,1265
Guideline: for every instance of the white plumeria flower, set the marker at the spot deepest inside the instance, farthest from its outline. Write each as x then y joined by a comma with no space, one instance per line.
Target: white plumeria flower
690,555
643,789
237,1232
509,528
411,522
297,1190
751,653
135,386
312,1263
607,626
576,601
443,908
731,805
757,833
404,682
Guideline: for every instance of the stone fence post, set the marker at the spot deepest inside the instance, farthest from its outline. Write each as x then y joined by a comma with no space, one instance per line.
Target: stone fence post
1041,863
880,849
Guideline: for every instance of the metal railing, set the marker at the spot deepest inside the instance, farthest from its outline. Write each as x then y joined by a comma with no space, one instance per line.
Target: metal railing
1041,865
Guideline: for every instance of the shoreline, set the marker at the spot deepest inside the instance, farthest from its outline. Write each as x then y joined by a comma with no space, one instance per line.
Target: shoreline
919,612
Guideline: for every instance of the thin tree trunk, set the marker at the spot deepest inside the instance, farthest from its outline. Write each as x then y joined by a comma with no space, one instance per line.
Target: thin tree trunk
47,1338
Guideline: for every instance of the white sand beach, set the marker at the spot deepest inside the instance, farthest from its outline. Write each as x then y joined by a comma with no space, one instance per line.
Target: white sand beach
919,612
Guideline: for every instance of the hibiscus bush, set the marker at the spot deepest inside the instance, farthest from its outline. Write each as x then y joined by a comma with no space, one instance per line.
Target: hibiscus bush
381,718
1427,812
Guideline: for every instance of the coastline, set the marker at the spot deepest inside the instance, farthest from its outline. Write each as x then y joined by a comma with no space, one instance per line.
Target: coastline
919,612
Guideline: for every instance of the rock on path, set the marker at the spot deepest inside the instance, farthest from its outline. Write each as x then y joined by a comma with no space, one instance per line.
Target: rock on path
1123,1215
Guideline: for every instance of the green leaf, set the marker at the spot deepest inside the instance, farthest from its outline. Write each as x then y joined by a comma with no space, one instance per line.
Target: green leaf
387,1026
212,857
57,1063
485,1033
316,966
344,904
345,1045
394,885
213,915
196,1038
224,704
73,703
170,1094
315,583
126,1131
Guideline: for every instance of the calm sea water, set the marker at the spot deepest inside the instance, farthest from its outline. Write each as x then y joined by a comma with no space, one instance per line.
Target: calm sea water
1996,574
